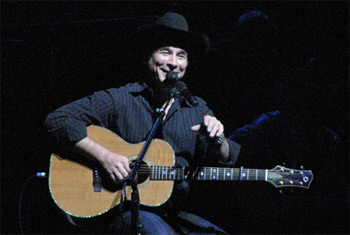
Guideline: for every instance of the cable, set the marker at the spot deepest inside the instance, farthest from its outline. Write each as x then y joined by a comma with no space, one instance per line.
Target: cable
39,175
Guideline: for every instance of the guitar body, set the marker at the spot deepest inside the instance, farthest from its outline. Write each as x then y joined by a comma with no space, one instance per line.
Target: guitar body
71,183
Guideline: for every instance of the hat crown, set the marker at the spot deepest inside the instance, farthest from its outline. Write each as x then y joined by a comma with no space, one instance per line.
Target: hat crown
173,20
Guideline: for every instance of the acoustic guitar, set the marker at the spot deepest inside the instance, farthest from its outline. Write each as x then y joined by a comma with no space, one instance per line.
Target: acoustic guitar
81,190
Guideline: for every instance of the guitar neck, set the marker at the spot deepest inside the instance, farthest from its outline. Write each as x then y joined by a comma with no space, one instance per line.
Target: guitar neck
232,174
209,173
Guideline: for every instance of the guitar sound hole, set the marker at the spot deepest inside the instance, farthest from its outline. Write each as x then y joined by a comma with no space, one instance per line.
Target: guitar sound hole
142,175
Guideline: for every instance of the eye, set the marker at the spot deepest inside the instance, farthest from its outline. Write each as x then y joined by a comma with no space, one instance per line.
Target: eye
183,56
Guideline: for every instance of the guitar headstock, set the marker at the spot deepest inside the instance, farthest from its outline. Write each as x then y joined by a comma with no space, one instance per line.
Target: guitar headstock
284,177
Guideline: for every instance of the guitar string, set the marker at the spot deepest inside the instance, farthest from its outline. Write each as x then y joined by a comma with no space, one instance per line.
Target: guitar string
221,172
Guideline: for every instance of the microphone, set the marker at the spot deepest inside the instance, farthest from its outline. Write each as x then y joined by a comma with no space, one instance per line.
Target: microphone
172,76
182,88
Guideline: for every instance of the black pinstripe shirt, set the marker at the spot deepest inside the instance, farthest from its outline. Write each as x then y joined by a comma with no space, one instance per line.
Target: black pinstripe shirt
128,112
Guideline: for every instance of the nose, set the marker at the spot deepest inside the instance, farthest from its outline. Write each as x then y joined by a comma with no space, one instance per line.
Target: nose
172,62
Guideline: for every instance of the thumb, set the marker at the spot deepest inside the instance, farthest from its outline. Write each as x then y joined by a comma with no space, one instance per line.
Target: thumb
196,127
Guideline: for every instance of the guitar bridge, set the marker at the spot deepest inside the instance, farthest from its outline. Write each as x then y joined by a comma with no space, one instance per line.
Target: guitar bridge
96,181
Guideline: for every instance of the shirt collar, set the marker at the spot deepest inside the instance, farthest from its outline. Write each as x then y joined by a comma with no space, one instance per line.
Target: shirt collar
141,88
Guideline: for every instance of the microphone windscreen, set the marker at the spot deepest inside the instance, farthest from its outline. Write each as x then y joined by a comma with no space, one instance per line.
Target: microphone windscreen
172,76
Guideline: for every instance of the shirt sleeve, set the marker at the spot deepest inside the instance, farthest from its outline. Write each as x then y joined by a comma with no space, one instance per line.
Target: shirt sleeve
67,124
234,148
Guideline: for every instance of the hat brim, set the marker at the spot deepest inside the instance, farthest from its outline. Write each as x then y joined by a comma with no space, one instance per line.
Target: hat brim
151,37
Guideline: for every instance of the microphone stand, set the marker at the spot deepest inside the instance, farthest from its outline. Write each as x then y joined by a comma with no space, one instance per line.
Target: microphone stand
132,179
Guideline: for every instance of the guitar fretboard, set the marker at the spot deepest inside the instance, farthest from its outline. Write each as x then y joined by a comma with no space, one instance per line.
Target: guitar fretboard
212,173
209,173
167,173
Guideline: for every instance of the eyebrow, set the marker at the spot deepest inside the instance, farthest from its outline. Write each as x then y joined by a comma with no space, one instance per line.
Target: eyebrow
182,51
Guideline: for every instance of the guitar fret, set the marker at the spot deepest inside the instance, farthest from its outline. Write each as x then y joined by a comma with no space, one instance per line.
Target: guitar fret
156,172
241,174
161,172
226,174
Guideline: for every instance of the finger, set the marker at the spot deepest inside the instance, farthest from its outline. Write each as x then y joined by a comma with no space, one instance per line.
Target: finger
206,119
116,176
123,172
196,127
214,130
211,124
220,128
220,131
113,177
127,166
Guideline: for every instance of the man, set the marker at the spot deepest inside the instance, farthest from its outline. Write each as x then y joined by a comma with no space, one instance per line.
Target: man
130,111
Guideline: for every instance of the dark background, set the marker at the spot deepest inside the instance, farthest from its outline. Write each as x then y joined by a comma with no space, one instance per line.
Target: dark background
55,52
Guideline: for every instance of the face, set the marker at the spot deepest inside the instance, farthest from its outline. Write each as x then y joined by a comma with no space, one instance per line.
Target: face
166,59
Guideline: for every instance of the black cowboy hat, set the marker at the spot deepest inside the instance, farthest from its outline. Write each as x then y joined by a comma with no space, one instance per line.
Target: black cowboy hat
171,30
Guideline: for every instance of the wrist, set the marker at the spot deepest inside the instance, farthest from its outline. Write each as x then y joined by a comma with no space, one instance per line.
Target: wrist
217,141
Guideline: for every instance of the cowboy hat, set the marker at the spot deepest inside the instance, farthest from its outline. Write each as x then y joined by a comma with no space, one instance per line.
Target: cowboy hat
171,29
